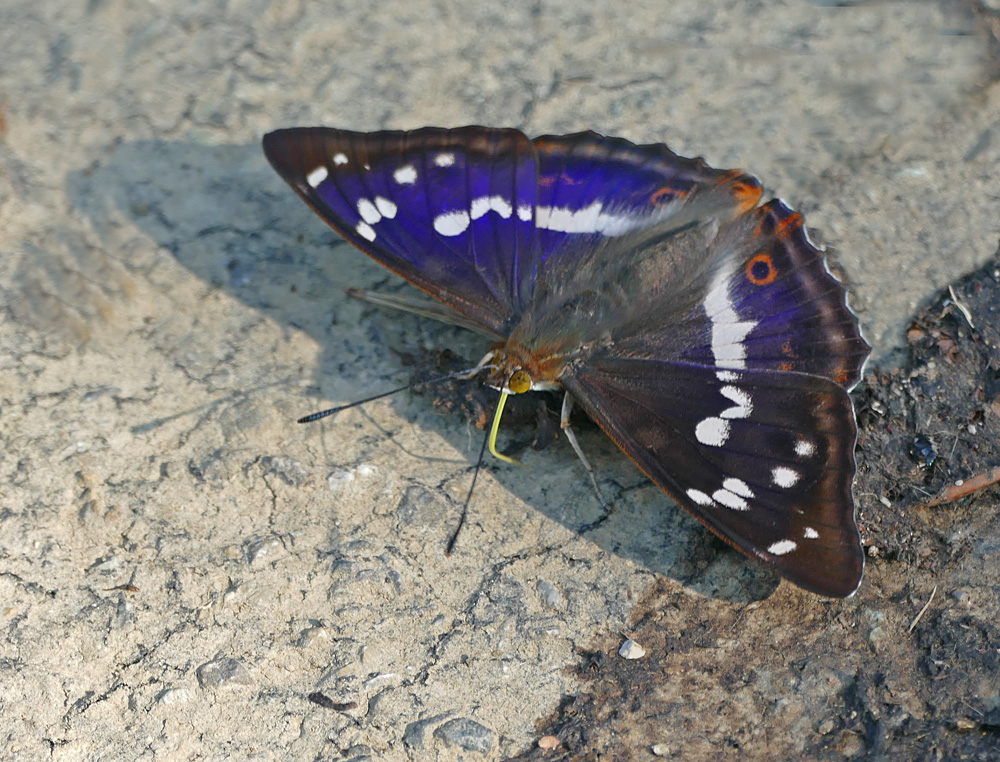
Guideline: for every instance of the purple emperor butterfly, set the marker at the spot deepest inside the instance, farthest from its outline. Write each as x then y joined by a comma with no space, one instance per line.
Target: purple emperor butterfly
701,331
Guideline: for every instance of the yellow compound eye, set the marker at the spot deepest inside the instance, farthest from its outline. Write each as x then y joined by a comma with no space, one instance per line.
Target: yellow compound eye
520,382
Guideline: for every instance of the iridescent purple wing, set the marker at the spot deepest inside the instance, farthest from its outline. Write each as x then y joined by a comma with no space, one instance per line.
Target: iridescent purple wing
476,217
451,211
757,295
592,186
732,394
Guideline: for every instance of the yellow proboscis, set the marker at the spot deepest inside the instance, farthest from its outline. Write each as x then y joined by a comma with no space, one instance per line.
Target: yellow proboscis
496,427
518,383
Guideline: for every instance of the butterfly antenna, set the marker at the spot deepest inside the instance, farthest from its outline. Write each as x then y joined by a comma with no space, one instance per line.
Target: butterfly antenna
463,374
468,498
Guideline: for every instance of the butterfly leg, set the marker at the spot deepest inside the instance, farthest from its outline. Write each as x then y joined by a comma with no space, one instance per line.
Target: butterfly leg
567,409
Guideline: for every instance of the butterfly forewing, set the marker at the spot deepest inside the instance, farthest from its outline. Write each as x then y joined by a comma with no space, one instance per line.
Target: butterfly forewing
449,210
589,183
477,217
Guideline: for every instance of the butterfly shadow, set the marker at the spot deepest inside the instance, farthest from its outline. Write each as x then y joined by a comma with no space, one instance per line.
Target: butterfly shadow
222,213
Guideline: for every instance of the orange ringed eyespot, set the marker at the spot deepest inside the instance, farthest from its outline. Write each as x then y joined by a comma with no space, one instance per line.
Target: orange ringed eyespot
761,270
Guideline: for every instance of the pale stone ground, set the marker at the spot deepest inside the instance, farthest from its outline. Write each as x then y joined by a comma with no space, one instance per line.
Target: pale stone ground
170,308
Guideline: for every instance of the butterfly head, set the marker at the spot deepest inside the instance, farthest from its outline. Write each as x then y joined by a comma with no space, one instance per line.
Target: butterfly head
517,372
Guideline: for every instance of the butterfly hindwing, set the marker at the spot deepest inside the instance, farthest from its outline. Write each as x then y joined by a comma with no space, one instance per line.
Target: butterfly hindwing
780,282
764,458
762,298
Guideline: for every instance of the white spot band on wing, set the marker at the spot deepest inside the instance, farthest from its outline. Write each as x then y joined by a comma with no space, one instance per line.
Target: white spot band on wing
785,477
368,212
712,432
317,176
451,223
385,207
498,204
728,331
405,175
589,219
781,547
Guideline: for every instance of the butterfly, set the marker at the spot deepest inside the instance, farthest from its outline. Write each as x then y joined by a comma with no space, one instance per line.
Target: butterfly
699,328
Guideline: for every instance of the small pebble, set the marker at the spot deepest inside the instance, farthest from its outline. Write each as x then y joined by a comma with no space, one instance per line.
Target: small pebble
631,650
174,696
548,743
549,595
660,750
466,734
221,671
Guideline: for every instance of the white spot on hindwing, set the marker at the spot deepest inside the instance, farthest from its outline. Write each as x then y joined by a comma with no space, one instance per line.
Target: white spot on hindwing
524,213
730,500
810,533
365,231
781,547
728,331
699,497
444,159
405,175
712,432
785,477
805,448
339,158
743,407
738,486
317,176
451,223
